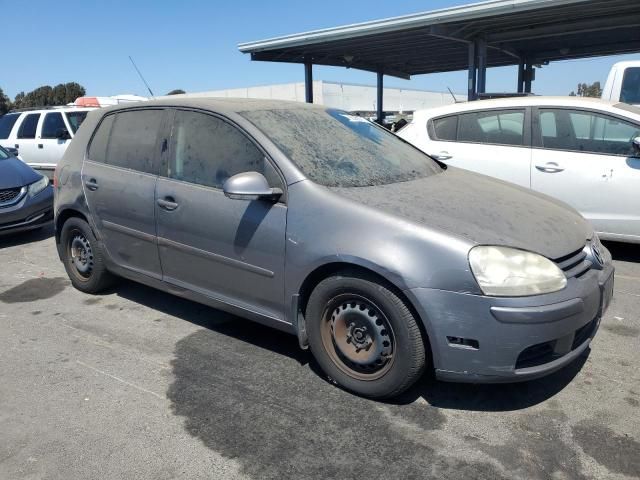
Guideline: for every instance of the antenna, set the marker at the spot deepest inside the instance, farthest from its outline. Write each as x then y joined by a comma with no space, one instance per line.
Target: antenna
145,82
455,100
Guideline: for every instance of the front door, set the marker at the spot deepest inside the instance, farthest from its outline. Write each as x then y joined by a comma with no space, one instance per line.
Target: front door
48,147
585,158
119,179
230,250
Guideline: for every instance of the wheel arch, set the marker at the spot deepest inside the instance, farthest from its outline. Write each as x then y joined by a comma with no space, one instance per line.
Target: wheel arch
326,270
65,215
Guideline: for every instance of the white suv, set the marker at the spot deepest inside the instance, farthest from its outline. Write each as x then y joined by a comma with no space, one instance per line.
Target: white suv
41,136
578,150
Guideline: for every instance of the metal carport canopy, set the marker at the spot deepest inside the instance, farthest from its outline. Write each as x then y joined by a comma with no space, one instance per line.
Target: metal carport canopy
488,34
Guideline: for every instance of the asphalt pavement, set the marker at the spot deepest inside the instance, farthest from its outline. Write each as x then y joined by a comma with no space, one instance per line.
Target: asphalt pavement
139,384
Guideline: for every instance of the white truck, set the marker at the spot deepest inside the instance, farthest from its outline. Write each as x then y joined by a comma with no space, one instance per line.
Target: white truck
623,83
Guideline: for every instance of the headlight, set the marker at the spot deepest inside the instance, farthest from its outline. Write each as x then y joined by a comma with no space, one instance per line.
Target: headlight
36,187
508,272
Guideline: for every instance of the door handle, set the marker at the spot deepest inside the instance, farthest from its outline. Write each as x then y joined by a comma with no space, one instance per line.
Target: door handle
550,167
40,145
91,184
167,203
442,156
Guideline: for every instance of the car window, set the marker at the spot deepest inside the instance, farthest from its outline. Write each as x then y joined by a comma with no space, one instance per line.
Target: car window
6,124
337,149
630,90
207,150
499,127
445,128
584,131
29,125
4,154
75,119
133,140
98,147
52,123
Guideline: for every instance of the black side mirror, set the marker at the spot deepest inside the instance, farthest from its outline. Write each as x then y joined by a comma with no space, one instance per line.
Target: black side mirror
12,151
63,134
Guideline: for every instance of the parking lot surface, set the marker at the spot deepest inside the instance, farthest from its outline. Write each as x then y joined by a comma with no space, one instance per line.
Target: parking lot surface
136,383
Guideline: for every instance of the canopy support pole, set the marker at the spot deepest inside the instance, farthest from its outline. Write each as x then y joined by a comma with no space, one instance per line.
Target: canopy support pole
471,85
482,65
380,98
308,82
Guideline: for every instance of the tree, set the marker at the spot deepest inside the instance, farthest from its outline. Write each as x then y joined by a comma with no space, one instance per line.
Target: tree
5,103
584,90
61,94
177,91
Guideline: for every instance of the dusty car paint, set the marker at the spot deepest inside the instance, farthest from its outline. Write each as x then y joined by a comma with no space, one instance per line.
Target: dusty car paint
415,234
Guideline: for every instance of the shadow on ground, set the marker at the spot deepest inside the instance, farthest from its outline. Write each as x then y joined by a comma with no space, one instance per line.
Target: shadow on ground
248,392
624,252
22,238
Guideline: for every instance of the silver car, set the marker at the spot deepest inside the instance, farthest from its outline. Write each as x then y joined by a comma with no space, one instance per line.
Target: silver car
382,260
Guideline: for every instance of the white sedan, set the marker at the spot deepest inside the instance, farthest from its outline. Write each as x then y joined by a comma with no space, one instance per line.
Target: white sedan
585,152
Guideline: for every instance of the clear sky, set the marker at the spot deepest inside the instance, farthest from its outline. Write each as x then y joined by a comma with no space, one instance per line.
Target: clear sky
192,44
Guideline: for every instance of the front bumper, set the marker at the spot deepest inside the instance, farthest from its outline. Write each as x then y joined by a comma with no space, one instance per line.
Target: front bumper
484,339
28,213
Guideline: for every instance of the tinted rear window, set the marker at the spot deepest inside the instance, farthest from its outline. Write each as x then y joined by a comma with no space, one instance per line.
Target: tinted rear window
75,119
98,148
445,128
630,91
6,124
29,125
336,149
132,143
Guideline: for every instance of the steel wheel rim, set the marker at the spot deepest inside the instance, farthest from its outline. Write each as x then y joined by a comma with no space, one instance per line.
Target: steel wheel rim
358,337
81,254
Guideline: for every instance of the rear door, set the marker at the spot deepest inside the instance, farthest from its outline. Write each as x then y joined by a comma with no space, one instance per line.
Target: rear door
119,179
230,250
491,142
586,159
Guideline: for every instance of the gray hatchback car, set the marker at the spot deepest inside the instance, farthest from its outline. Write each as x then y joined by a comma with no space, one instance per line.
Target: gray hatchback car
319,223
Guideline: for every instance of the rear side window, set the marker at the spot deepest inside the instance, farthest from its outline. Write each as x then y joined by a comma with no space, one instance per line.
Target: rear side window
75,119
98,147
6,124
29,125
207,150
445,128
497,127
630,90
52,124
133,141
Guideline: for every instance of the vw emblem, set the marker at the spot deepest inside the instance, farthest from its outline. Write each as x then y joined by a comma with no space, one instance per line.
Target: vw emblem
596,252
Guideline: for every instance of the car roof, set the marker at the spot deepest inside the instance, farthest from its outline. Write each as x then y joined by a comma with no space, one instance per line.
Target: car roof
222,105
514,102
61,108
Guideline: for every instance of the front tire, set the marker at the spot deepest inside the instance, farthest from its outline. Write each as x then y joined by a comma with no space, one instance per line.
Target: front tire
364,336
83,257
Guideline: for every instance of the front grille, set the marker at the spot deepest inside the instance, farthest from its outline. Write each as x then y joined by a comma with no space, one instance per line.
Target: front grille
9,194
575,264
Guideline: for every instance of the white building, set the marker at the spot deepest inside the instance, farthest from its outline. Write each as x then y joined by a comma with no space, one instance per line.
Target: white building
344,96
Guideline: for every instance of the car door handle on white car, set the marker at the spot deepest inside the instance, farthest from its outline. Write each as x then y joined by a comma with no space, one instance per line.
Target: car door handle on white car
550,167
442,156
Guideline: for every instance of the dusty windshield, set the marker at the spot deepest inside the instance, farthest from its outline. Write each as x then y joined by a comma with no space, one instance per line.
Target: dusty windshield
336,149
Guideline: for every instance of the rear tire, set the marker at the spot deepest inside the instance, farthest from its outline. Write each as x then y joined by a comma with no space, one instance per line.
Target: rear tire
363,336
83,257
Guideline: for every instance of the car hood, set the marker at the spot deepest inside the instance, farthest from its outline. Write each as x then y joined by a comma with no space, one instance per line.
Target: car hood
481,209
15,173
